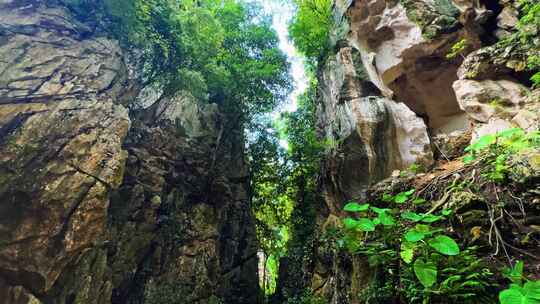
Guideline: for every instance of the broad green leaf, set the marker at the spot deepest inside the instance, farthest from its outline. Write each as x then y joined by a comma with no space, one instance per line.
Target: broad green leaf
511,296
379,210
410,192
387,197
446,212
423,228
355,207
408,215
365,224
402,197
376,221
426,272
482,143
444,245
350,223
532,290
414,236
511,133
430,218
528,294
386,219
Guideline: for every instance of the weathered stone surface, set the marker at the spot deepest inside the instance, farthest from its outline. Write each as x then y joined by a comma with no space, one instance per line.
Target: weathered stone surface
61,137
390,88
97,207
181,221
482,100
371,135
404,46
528,117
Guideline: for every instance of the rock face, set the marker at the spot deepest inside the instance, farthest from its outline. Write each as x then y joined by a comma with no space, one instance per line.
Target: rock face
98,205
370,135
389,97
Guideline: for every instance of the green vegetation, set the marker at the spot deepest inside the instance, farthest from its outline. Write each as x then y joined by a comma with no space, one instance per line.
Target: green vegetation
458,49
412,243
310,29
493,151
221,51
225,52
414,252
522,290
528,35
284,187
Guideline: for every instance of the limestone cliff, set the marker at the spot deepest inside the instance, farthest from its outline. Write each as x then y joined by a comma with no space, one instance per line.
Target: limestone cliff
389,97
99,204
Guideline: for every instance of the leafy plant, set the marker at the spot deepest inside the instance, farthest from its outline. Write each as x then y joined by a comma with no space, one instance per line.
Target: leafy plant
494,150
521,290
399,198
434,260
458,49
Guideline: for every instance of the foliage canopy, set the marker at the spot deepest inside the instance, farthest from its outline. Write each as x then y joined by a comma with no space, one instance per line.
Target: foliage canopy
221,51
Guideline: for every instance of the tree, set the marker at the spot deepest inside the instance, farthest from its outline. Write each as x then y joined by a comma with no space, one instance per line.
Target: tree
310,28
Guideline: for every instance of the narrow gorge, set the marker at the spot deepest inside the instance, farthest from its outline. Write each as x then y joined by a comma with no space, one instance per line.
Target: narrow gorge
146,156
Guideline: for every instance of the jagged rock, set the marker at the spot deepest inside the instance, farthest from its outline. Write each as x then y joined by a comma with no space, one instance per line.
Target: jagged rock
528,118
98,207
404,46
391,58
483,100
452,145
373,134
61,137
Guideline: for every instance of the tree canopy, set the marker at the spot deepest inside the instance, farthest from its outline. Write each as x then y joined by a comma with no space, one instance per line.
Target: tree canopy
223,51
310,27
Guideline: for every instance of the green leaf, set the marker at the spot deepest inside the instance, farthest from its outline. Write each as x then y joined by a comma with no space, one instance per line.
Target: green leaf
528,294
446,212
407,252
426,272
365,224
532,289
402,197
408,215
511,296
418,201
482,143
386,219
350,223
515,274
430,218
414,236
379,210
511,133
355,207
387,198
444,245
469,158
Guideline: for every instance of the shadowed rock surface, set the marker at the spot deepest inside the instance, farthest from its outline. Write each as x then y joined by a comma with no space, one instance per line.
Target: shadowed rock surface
102,205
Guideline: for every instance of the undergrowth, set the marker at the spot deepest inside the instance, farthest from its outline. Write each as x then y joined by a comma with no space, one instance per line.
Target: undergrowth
449,246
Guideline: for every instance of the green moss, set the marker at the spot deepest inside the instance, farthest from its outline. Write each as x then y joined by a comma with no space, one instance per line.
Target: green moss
433,19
